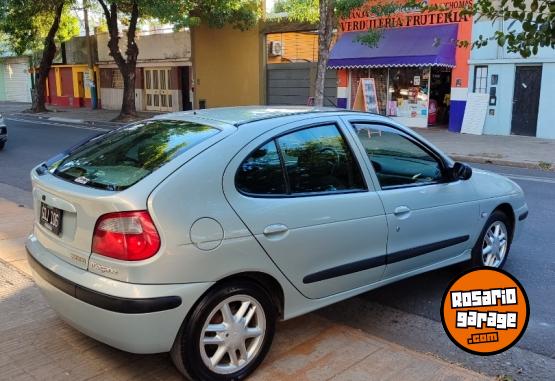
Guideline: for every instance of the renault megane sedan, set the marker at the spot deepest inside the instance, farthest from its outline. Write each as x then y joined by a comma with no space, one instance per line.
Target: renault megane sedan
195,232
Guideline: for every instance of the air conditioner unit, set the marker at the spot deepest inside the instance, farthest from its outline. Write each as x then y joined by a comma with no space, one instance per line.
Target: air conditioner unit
276,48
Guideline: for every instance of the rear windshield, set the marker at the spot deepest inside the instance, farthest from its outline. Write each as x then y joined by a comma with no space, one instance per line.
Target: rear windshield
124,156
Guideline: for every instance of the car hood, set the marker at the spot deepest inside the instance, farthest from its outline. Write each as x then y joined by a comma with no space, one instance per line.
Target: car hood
489,184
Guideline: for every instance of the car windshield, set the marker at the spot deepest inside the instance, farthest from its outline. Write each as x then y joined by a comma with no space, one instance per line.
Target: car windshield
122,157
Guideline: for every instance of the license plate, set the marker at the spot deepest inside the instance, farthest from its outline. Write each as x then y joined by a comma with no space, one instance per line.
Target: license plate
51,218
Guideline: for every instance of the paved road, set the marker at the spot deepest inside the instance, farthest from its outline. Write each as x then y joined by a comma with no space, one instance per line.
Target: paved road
406,312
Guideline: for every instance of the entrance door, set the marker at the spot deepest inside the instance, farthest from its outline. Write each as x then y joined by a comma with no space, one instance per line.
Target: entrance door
157,89
526,100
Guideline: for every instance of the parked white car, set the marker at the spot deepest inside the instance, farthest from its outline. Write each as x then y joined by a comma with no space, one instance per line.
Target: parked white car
194,232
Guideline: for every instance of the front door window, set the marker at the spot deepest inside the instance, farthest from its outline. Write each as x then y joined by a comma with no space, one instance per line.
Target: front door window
396,159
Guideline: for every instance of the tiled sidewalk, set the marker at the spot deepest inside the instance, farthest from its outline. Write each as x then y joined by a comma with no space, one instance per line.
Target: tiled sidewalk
36,345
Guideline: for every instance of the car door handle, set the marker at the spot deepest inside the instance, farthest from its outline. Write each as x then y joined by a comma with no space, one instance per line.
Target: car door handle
401,211
275,229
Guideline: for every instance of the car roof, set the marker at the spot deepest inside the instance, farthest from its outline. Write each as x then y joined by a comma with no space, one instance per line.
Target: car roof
245,114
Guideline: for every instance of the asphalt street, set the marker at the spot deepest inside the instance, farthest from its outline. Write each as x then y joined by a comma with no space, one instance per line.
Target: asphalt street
406,312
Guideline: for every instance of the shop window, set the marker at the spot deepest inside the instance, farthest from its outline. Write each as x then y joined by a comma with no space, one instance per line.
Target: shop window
380,80
481,79
408,92
117,79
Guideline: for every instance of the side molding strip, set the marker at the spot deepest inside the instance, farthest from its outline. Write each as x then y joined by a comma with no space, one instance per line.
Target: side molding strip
345,269
424,249
366,264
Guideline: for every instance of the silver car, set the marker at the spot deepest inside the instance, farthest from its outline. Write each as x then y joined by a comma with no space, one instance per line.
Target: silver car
194,232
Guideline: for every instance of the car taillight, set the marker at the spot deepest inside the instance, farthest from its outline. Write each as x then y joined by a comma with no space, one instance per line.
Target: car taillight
129,236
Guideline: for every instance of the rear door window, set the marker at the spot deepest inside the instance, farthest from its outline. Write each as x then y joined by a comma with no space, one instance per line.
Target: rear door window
317,159
307,161
125,156
261,172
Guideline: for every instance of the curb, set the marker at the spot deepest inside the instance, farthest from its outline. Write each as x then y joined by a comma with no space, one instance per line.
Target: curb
503,162
66,120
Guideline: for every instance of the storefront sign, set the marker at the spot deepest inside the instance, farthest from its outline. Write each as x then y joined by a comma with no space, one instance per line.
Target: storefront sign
361,20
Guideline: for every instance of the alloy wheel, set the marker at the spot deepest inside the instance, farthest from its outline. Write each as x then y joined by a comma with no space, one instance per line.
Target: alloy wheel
233,334
494,245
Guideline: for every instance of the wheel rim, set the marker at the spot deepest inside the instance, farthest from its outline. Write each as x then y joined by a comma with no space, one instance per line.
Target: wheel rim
233,334
494,246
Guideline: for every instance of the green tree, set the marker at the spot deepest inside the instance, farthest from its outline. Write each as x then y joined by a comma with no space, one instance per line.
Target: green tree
216,13
531,24
28,26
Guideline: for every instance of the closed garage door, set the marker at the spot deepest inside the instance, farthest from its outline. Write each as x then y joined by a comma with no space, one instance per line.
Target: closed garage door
17,80
293,84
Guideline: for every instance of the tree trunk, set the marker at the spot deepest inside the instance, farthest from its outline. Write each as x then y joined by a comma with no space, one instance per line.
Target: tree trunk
128,109
126,65
325,31
48,53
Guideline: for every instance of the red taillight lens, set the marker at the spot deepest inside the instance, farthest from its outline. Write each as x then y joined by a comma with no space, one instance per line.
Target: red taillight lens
129,236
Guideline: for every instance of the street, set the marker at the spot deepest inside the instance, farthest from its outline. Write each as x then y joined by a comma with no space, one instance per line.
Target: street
406,312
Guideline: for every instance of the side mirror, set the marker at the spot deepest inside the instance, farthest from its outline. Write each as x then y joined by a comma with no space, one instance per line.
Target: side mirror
460,171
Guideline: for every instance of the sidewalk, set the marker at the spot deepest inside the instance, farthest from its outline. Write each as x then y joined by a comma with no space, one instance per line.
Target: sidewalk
37,345
68,114
515,151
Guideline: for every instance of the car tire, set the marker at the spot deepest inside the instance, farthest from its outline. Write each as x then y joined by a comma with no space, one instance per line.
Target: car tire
208,324
2,145
499,244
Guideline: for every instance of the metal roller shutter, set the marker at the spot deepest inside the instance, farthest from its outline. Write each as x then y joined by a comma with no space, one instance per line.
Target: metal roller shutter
17,79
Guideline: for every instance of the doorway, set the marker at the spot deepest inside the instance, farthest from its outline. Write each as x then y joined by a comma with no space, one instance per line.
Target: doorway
157,89
526,100
185,88
440,97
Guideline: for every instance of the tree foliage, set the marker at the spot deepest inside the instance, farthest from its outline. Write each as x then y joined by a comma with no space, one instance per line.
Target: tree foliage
531,24
25,24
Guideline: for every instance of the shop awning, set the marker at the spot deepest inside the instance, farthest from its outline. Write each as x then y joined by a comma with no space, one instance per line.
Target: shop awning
415,46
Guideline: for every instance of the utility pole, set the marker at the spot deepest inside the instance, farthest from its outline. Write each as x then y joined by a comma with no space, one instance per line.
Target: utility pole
92,76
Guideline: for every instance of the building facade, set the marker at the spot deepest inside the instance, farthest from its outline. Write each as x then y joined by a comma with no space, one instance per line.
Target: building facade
418,71
68,85
520,99
163,73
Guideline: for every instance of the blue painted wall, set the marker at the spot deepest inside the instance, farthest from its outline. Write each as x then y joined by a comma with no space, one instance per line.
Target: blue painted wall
504,64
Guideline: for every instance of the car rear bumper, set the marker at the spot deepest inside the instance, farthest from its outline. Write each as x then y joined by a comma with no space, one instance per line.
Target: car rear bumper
135,318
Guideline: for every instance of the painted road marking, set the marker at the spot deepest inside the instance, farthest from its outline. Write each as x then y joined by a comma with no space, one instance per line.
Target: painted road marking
546,180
